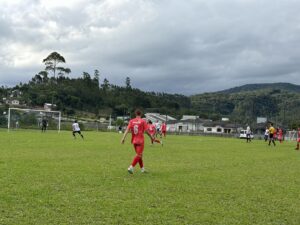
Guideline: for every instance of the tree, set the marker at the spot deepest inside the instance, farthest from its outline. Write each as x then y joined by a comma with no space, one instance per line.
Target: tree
44,75
105,84
86,76
127,82
96,77
63,71
52,62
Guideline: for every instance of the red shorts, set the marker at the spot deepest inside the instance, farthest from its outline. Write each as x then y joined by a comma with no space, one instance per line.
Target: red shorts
151,133
139,148
298,140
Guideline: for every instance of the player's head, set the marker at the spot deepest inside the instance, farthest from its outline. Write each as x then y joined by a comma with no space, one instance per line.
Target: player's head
75,121
138,112
150,122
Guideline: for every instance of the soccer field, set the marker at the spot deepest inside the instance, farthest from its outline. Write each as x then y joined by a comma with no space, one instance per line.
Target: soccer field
49,178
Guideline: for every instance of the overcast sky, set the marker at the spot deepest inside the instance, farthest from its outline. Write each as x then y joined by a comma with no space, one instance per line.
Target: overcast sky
173,46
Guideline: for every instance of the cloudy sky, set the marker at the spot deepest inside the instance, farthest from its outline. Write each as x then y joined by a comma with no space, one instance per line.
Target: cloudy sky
174,46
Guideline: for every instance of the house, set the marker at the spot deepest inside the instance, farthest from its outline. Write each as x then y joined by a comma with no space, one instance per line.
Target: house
15,93
11,102
49,106
15,102
156,117
220,127
190,123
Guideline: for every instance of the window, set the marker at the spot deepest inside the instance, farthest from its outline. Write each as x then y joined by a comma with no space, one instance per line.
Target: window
209,129
219,130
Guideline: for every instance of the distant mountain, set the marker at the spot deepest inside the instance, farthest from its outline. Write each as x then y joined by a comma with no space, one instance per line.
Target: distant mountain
255,87
279,102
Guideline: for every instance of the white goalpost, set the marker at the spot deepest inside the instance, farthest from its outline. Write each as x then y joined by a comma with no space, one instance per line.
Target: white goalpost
32,118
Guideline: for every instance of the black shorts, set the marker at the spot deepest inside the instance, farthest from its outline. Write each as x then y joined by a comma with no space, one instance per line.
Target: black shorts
74,132
271,136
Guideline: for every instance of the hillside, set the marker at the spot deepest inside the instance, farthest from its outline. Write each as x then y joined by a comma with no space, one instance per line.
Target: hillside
255,87
90,97
279,102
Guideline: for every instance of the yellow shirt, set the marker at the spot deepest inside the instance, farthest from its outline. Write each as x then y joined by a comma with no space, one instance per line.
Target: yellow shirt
272,130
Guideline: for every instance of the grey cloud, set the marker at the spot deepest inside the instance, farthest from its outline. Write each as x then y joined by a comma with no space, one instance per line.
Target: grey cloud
174,46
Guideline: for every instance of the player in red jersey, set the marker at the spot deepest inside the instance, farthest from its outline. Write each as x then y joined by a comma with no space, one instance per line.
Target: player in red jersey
279,135
151,131
164,129
298,139
275,135
137,127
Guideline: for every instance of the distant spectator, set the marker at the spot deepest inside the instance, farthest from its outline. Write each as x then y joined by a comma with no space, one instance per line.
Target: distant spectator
248,134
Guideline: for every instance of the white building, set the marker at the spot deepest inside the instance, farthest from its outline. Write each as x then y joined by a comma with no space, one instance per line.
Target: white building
191,124
15,102
156,117
221,127
11,102
49,106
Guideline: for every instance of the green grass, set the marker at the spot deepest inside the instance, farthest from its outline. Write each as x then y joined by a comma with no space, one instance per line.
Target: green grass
52,179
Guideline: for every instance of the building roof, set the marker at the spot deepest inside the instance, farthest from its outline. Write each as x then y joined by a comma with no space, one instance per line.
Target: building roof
158,117
223,124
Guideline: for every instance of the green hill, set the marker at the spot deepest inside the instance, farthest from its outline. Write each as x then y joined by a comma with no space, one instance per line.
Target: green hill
255,87
279,102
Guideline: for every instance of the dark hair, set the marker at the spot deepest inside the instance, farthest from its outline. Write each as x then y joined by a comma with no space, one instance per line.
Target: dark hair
75,121
149,121
138,112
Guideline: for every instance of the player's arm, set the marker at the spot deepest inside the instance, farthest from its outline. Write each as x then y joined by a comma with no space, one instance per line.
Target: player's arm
146,130
124,136
149,135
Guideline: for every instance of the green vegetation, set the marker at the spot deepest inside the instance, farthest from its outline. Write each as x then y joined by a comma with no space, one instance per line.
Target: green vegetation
88,95
280,103
52,179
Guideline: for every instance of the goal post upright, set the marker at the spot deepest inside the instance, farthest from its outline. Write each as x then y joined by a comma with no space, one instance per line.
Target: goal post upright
8,120
33,110
59,121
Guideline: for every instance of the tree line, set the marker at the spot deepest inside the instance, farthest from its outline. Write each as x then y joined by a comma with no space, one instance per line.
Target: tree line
87,95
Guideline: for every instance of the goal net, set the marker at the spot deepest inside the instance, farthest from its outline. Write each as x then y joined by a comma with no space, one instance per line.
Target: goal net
291,135
33,119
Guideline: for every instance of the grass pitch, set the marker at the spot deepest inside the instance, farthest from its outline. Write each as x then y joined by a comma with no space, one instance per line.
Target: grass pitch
49,178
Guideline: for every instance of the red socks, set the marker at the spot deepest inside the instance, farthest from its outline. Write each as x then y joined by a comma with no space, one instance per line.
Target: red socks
141,163
136,159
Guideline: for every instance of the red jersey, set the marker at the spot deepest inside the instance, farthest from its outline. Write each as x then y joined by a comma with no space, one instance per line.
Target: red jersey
137,126
298,139
163,127
280,133
151,129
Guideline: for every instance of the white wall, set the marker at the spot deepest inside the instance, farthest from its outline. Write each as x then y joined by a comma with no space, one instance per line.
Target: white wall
214,130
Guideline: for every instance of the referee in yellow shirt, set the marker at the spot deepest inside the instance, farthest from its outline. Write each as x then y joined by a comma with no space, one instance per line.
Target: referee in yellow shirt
271,134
